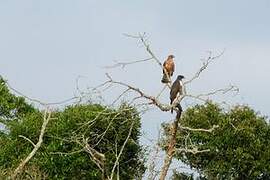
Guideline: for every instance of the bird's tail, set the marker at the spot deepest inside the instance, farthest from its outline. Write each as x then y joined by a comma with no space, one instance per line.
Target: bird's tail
171,108
179,112
165,79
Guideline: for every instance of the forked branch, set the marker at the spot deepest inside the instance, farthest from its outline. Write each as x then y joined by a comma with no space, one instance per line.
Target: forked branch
46,119
205,64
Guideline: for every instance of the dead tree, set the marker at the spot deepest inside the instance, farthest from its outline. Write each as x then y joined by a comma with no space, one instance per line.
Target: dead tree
150,100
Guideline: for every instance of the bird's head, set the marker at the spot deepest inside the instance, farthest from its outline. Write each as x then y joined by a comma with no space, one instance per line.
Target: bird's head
171,56
180,77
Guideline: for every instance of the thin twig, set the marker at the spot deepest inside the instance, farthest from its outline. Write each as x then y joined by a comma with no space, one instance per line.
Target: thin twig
199,129
193,151
121,150
27,140
205,65
124,64
40,102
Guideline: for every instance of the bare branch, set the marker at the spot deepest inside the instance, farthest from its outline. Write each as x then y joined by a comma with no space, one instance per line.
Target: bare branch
40,102
109,125
46,119
205,65
205,97
231,88
142,38
170,150
193,150
153,100
68,153
122,94
159,94
199,130
97,157
148,49
153,173
27,140
121,150
124,64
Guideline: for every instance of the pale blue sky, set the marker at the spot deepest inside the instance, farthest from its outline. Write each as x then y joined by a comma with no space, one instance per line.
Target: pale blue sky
46,45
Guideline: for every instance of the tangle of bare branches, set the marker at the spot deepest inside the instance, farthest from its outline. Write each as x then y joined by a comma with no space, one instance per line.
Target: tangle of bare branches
205,64
99,158
154,100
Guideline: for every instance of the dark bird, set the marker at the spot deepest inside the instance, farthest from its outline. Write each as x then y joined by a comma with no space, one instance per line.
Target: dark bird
168,69
177,87
179,112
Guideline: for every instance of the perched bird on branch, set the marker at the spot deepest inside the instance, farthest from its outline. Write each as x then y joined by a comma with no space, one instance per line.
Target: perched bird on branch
177,87
168,69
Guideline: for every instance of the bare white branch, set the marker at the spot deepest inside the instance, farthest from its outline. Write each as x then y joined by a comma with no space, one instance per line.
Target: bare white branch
124,64
152,100
199,129
27,140
121,150
40,102
205,65
46,119
193,150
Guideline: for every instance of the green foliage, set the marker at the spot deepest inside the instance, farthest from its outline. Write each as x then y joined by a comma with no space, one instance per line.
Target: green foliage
61,155
240,147
71,127
11,107
181,176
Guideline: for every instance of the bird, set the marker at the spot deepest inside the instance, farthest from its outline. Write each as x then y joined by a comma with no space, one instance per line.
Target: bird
177,87
168,69
179,112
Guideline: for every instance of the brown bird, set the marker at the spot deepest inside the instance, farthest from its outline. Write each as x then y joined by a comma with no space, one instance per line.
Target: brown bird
177,87
168,69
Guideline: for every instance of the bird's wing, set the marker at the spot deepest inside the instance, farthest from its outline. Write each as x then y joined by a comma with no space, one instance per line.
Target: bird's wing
174,90
181,87
167,66
164,63
172,68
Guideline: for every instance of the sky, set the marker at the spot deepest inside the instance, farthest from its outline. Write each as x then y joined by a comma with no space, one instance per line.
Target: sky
46,45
